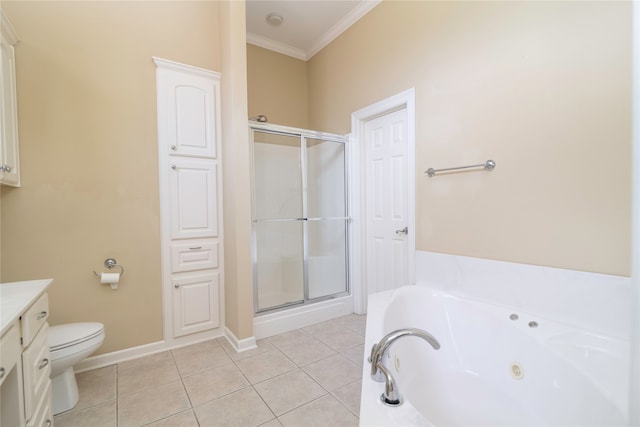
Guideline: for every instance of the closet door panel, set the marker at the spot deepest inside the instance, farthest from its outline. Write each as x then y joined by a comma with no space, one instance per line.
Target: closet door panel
191,128
196,303
194,199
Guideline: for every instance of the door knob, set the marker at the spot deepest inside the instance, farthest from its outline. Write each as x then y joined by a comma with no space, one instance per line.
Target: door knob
403,231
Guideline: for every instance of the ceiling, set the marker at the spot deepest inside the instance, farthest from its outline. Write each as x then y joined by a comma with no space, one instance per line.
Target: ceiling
307,25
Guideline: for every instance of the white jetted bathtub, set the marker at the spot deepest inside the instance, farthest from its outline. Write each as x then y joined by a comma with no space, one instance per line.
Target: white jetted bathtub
496,366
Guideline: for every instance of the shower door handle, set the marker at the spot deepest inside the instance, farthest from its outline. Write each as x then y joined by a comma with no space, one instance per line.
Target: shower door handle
404,231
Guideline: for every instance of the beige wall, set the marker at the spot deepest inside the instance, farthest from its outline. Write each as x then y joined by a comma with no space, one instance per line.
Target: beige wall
277,87
542,88
236,170
88,134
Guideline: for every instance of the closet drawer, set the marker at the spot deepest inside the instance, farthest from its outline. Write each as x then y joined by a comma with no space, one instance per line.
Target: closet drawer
10,350
34,318
194,255
36,368
43,416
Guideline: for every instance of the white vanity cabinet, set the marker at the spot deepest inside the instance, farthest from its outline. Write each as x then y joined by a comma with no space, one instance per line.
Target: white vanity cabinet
24,355
190,198
9,151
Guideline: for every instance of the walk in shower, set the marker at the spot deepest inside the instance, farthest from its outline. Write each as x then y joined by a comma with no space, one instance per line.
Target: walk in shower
300,218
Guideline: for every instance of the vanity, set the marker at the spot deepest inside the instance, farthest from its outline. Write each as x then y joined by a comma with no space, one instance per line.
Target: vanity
25,387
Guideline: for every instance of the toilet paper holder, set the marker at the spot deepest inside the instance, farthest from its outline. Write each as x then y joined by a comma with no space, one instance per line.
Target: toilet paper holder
110,263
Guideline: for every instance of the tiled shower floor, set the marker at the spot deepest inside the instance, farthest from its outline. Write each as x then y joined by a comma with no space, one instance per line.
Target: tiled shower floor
307,377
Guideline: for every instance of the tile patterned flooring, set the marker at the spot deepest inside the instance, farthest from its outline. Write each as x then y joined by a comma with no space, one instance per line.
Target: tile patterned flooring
308,377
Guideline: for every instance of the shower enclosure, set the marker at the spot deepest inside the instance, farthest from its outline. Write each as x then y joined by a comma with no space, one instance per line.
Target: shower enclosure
300,218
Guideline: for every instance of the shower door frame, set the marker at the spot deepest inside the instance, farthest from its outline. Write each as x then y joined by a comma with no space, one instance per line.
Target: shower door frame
303,135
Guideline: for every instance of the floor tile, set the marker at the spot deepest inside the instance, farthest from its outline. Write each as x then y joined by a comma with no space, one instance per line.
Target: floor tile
341,339
308,352
309,376
103,415
242,408
322,327
214,383
288,391
198,357
295,337
183,419
150,405
323,412
355,322
334,372
96,386
264,366
273,423
159,369
263,346
349,395
356,355
141,362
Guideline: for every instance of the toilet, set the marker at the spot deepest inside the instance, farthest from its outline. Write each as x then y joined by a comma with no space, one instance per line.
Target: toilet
69,344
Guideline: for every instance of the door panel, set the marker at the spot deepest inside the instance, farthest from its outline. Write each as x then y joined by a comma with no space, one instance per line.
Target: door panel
196,303
193,191
327,259
386,202
277,176
191,108
278,269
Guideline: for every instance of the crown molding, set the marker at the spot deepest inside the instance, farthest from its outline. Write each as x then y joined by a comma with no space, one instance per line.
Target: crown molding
283,48
342,25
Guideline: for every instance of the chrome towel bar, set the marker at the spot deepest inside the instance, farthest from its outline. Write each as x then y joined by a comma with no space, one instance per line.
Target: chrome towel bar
488,165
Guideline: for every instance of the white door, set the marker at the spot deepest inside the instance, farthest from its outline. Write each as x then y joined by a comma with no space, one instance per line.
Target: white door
386,207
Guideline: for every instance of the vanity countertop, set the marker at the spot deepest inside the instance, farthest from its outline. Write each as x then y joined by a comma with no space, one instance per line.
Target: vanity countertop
16,297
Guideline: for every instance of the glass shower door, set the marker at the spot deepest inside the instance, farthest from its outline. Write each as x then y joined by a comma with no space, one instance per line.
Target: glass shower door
278,220
326,212
300,217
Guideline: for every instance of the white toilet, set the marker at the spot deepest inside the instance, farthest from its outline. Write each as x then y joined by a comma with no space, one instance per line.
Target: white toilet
69,344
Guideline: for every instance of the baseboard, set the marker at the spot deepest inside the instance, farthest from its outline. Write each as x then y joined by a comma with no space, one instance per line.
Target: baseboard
280,322
239,345
119,356
264,326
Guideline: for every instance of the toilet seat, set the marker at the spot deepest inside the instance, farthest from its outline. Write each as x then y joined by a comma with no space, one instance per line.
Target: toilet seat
73,338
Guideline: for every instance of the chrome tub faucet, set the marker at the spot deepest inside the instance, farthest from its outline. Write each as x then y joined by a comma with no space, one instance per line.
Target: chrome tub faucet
379,371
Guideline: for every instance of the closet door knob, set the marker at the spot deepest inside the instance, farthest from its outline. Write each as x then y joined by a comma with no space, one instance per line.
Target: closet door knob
176,285
174,167
173,147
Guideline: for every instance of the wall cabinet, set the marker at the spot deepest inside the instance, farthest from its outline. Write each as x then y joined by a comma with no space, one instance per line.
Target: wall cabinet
9,147
190,198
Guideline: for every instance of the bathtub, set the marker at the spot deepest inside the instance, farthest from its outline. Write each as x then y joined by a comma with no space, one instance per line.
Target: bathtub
496,366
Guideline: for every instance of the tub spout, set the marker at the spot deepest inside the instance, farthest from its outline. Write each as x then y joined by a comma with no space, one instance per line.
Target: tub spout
379,351
390,396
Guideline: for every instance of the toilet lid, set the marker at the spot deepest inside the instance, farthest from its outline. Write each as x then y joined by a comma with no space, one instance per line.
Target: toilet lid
61,336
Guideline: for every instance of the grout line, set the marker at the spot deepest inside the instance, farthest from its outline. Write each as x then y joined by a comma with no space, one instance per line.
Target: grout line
235,363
